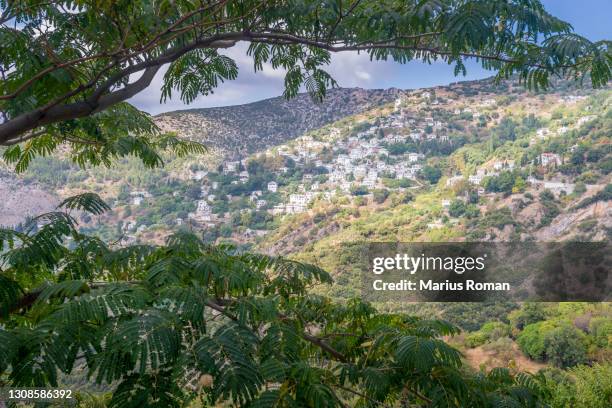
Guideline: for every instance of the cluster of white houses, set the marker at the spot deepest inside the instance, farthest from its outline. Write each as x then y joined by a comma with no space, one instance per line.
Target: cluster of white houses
359,160
545,132
363,159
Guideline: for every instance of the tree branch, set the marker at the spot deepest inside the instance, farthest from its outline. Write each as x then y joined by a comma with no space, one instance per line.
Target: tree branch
362,395
100,99
312,339
28,299
24,138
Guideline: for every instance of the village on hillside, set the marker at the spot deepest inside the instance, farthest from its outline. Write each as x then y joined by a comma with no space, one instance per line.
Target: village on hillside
470,144
387,154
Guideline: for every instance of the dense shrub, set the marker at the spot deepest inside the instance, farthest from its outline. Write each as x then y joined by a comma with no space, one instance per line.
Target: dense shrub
457,208
490,331
431,174
498,218
561,344
380,196
473,316
593,386
502,183
565,346
601,329
531,340
530,313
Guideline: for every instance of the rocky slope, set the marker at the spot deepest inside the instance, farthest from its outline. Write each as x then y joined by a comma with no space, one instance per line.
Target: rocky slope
269,122
21,200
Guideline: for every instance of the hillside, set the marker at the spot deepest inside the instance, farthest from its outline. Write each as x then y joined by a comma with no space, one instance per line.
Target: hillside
465,161
472,161
269,122
21,199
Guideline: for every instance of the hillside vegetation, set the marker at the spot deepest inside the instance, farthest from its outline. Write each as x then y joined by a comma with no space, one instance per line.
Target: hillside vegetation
269,122
472,161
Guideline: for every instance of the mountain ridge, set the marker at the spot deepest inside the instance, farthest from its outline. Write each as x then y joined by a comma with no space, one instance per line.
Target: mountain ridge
271,121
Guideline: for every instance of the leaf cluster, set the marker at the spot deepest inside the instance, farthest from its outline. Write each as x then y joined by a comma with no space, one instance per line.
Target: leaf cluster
168,324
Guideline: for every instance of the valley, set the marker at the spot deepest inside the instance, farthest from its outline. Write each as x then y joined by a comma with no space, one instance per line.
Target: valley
472,161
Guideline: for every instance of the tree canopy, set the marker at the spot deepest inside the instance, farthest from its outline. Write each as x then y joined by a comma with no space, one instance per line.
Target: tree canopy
68,67
164,325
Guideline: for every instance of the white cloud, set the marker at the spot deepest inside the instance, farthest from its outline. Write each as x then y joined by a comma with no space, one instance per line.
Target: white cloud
350,69
363,75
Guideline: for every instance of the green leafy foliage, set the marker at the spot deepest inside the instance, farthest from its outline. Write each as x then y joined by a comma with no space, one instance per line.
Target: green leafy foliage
490,331
70,85
89,202
565,347
200,321
581,387
431,174
102,138
557,342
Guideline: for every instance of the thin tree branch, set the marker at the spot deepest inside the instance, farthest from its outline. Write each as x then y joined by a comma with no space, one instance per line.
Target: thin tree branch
360,394
312,339
48,70
24,138
28,299
99,100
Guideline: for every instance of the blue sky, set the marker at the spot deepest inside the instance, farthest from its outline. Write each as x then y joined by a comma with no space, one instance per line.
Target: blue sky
590,18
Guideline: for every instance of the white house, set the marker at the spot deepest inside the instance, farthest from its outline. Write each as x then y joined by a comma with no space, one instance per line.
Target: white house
416,136
203,212
273,186
299,199
199,175
475,179
230,166
336,176
356,153
359,171
415,168
451,181
550,159
343,160
558,187
141,193
585,119
542,133
278,209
